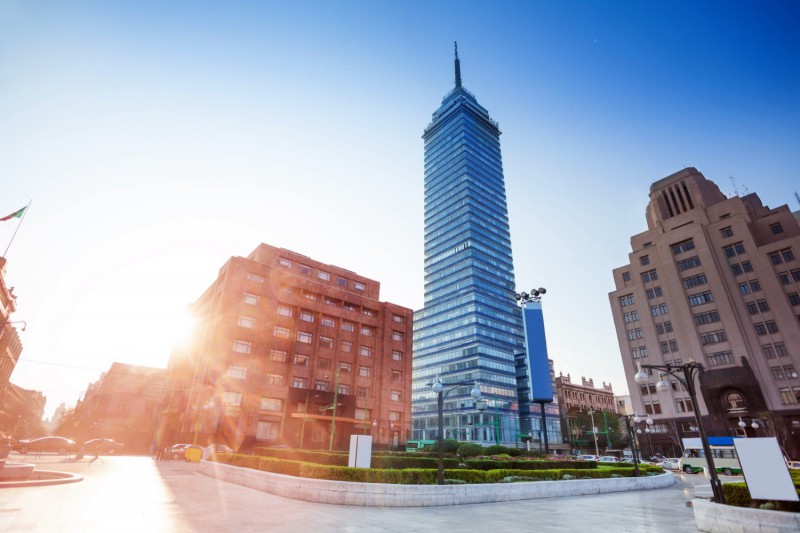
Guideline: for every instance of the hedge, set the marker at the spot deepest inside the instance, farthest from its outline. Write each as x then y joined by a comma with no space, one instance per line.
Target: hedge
738,495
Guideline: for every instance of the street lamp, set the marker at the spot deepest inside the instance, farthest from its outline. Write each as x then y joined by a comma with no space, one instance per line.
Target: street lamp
742,424
689,371
439,388
632,438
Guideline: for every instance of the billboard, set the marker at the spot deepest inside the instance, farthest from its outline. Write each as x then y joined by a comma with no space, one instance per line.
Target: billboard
536,348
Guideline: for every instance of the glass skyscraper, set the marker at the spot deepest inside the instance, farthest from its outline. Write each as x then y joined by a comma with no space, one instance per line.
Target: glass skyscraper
470,327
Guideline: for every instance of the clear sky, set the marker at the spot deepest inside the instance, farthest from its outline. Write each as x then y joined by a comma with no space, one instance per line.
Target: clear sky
157,139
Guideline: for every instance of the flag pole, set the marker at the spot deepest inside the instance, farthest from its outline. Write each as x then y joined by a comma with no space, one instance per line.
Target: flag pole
17,229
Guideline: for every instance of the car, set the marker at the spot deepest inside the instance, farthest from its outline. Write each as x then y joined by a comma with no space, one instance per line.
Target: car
53,444
222,448
608,459
587,458
794,465
178,451
670,463
102,446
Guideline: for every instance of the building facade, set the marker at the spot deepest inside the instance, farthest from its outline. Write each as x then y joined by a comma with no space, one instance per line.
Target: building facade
574,398
291,351
713,280
470,328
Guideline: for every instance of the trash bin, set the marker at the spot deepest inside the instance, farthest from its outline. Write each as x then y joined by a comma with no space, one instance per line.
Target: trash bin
193,455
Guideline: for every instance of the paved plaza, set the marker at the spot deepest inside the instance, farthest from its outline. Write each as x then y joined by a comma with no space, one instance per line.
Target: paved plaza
131,493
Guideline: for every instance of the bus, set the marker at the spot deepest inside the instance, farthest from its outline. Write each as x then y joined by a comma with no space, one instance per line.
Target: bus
415,445
722,449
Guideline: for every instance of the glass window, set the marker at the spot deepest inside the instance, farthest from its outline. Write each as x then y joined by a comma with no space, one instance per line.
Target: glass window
397,355
285,311
776,228
279,356
359,286
397,375
348,326
326,342
300,359
362,392
274,379
233,399
237,372
271,404
250,299
644,260
686,264
281,332
343,389
242,346
777,373
367,331
350,306
305,337
304,269
322,385
726,232
245,322
345,367
366,351
396,395
323,363
394,416
399,319
306,316
347,346
684,246
363,371
267,431
746,266
790,372
626,276
285,263
299,383
780,349
341,281
328,321
321,274
398,335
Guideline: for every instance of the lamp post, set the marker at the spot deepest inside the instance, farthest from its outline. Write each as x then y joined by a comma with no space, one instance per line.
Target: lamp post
439,388
632,438
594,432
686,374
742,424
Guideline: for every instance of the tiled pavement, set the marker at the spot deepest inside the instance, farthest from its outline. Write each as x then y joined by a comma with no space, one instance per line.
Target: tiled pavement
139,494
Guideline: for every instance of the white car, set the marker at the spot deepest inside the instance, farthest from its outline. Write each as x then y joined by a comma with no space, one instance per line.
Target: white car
670,464
587,458
608,459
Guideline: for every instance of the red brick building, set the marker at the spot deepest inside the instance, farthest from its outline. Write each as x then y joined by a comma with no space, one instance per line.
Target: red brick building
291,351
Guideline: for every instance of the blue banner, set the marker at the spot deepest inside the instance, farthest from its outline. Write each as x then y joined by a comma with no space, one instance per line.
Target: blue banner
536,346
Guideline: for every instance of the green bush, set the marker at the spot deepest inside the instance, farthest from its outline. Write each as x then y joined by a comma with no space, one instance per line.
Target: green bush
450,446
470,449
497,449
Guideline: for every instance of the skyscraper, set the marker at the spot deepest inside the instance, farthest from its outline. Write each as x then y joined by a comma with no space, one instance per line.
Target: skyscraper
714,280
470,327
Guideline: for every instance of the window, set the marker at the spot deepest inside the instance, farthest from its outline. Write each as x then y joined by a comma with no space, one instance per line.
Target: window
755,286
700,298
746,266
736,268
394,416
299,383
310,295
233,399
794,298
673,345
245,322
397,336
752,308
250,299
285,311
321,274
780,349
345,367
369,312
267,431
686,264
777,373
362,392
341,281
763,306
787,397
719,358
626,276
694,281
343,389
305,337
397,375
348,326
635,316
649,276
347,346
776,228
359,286
644,260
350,306
664,347
785,278
279,356
655,292
660,309
732,250
237,372
744,288
367,331
363,371
306,316
769,351
653,408
322,385
399,319
772,327
706,318
326,342
328,321
304,269
332,301
796,274
365,351
790,372
760,329
242,346
397,355
255,277
787,254
285,263
274,379
726,232
713,337
271,404
396,395
300,359
648,389
684,246
776,258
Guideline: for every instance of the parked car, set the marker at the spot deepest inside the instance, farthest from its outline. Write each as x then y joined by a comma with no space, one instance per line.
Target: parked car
222,448
587,458
794,465
608,459
102,446
53,444
670,464
178,451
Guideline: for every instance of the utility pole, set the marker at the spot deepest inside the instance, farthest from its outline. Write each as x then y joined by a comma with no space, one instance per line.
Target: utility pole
594,432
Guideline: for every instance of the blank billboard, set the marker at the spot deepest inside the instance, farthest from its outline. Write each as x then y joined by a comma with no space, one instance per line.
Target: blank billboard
536,346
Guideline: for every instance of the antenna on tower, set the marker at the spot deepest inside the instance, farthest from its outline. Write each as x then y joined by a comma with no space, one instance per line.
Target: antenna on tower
733,181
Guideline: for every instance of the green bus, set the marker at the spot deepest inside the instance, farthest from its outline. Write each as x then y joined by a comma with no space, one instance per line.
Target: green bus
416,445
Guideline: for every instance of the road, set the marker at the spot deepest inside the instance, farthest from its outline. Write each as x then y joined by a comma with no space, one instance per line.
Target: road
134,493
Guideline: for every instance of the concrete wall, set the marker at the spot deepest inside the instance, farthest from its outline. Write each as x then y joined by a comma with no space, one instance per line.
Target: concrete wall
386,495
719,518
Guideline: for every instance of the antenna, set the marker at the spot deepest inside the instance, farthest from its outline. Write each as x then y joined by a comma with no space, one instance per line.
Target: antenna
797,197
733,181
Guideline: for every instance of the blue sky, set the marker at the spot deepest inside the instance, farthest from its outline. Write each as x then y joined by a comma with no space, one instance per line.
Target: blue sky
158,139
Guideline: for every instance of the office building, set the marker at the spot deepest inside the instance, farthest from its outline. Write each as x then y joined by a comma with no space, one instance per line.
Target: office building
470,328
291,351
713,280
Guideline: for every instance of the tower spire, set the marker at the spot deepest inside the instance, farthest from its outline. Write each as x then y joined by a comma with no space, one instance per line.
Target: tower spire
458,68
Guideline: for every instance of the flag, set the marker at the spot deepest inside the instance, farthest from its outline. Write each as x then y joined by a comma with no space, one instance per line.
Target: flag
15,214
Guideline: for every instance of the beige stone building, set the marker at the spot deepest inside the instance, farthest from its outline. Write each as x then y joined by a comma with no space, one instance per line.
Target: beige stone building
583,397
715,280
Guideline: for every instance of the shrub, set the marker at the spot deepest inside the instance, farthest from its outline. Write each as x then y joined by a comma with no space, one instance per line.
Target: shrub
470,449
450,446
496,449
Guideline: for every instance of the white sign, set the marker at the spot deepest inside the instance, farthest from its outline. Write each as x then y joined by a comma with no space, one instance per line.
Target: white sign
765,470
360,451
